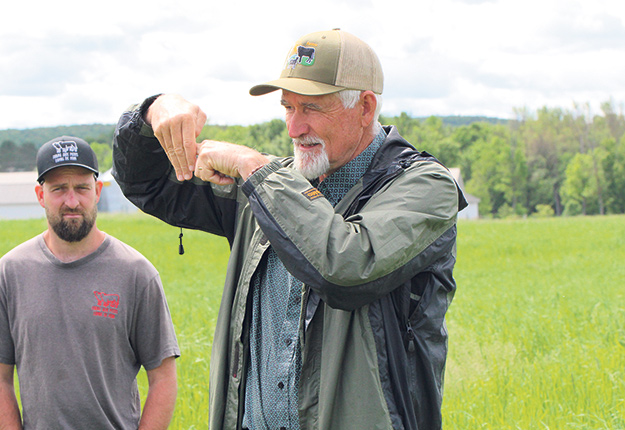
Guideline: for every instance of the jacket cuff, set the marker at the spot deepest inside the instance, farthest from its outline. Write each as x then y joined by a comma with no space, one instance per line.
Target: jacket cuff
146,129
259,176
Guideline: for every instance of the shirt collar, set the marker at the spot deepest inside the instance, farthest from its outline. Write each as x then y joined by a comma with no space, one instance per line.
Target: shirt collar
335,186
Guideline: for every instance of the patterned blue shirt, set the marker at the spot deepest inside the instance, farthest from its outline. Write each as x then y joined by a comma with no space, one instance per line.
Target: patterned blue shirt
275,356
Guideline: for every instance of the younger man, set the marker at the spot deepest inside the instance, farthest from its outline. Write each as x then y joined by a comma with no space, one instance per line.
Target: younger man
80,313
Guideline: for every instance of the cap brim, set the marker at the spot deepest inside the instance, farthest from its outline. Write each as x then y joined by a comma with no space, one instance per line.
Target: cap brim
95,172
295,85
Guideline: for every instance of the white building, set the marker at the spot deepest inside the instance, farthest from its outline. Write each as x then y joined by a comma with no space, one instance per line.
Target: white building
19,201
112,198
471,211
17,196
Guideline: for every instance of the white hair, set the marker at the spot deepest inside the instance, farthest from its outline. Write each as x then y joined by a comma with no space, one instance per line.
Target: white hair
349,98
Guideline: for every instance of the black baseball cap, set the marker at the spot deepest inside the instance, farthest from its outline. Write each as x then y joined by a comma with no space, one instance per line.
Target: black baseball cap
65,151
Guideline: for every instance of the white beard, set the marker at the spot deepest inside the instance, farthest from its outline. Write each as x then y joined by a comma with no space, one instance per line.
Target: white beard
311,164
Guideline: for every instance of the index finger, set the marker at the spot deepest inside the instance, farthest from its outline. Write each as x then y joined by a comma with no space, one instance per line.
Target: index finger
189,145
167,139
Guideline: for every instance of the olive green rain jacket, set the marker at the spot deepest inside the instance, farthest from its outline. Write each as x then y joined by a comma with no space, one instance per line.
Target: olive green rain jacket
377,274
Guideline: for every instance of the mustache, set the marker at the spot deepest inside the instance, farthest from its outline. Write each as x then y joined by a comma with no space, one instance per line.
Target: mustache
67,210
308,140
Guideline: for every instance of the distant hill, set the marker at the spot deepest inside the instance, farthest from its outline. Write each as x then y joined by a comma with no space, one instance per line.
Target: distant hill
102,133
451,120
457,121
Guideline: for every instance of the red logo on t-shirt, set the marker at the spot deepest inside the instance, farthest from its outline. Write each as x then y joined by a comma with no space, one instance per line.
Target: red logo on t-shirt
107,305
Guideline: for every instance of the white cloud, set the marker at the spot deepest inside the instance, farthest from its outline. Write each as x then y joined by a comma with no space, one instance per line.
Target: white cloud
71,62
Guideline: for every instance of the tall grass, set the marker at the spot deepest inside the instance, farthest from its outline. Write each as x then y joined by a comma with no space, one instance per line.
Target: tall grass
537,327
193,283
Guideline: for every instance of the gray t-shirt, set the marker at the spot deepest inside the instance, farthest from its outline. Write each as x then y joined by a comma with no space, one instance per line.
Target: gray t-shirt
79,332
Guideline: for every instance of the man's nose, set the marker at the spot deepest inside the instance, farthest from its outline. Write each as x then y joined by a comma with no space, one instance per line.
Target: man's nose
71,200
297,125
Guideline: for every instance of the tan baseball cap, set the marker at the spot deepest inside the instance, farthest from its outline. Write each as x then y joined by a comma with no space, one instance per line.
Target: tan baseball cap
327,62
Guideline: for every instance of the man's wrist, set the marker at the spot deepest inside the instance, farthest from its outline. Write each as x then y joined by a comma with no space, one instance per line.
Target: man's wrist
254,170
145,106
254,163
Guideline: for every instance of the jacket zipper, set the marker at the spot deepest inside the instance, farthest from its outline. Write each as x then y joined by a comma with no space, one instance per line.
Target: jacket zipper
410,337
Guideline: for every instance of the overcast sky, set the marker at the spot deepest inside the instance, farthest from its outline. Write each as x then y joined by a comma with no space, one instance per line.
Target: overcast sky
79,62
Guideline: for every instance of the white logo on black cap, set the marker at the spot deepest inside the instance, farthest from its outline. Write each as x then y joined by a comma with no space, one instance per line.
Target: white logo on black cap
66,150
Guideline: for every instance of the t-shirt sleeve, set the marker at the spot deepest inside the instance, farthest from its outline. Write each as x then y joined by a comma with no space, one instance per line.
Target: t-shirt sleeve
7,348
153,336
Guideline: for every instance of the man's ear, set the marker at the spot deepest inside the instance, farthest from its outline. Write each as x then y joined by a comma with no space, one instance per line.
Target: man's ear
39,193
369,104
98,190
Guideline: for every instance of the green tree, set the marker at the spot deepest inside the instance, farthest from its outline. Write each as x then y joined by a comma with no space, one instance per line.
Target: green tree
549,145
270,137
104,154
26,157
578,184
580,188
493,172
466,136
615,121
407,126
8,155
613,167
437,139
17,158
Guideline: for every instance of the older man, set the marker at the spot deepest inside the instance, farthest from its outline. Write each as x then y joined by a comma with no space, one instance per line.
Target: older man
340,274
80,313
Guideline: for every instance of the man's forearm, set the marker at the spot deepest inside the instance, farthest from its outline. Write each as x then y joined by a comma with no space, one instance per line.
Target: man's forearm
10,418
158,409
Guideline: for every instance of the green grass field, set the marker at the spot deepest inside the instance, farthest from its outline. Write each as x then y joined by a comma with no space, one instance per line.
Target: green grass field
537,327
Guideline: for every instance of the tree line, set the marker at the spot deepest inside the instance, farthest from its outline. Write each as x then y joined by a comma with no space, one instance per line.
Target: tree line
550,162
